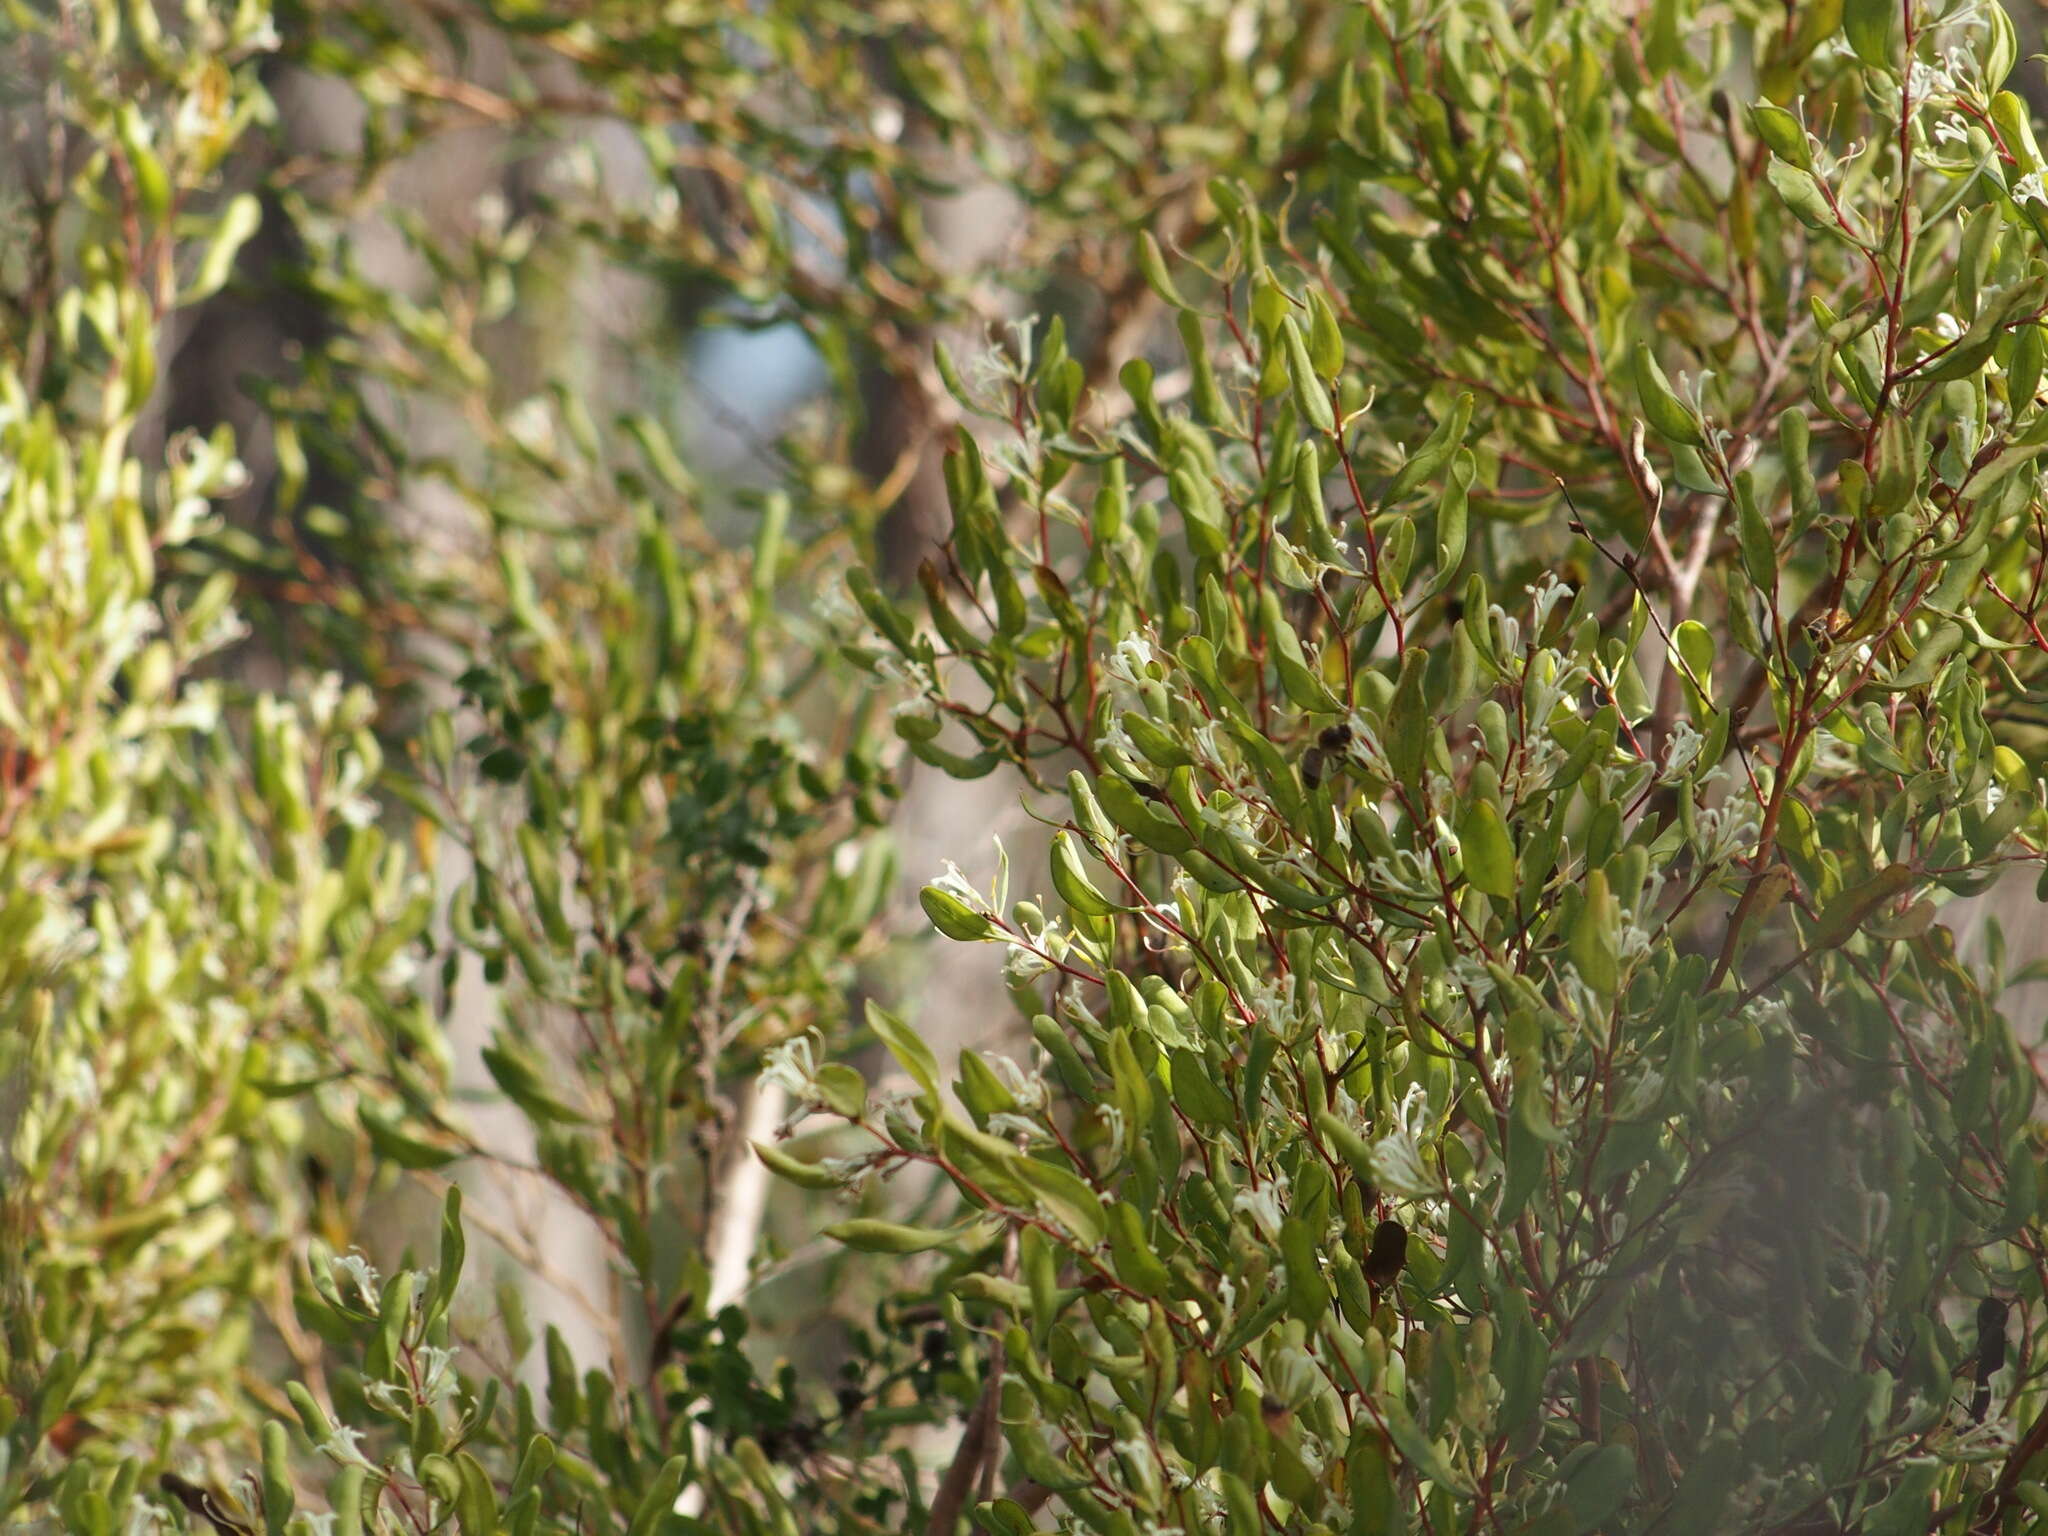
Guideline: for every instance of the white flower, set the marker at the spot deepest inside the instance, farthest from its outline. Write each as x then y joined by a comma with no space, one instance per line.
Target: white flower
1546,595
1947,326
1015,1127
2028,189
1951,130
437,1380
1226,1292
793,1067
1680,750
1510,632
1473,977
1925,80
852,1172
1273,1002
1027,1088
1128,662
1723,831
1023,965
914,674
531,425
833,608
954,884
360,1270
1117,739
1113,1119
344,1445
1263,1205
492,213
1397,1156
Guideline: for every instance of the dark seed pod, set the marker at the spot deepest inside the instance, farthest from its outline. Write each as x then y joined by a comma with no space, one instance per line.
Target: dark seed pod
1991,1315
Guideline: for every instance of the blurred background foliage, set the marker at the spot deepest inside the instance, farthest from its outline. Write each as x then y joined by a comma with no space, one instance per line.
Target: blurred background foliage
438,744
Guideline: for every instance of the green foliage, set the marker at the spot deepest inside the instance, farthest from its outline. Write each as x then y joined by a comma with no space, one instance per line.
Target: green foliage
209,938
1516,581
1511,863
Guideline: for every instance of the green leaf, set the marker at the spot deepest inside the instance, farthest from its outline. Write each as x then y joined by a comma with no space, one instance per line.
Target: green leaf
1421,1452
1451,522
278,1502
1067,1197
240,219
1154,826
1694,644
1803,195
842,1089
441,1289
1325,338
1308,1294
1197,1096
2022,1187
1132,1256
1408,721
1596,936
1927,662
1311,395
345,1498
1152,267
1071,880
1597,1486
1783,133
1753,531
521,1080
1669,416
1434,453
394,1145
795,1170
1873,29
908,1047
1489,853
872,1236
657,1505
953,917
1846,914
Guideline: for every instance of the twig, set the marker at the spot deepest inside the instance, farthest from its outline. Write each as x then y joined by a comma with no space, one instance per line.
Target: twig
968,1461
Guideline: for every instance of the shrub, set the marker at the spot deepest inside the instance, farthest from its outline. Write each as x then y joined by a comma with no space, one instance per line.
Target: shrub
1500,1063
1528,652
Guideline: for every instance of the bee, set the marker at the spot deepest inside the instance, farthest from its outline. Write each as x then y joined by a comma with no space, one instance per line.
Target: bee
1331,741
205,1504
1278,1417
1388,1254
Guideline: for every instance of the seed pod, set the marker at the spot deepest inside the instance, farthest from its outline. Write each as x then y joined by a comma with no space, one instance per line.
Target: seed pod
1991,1315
